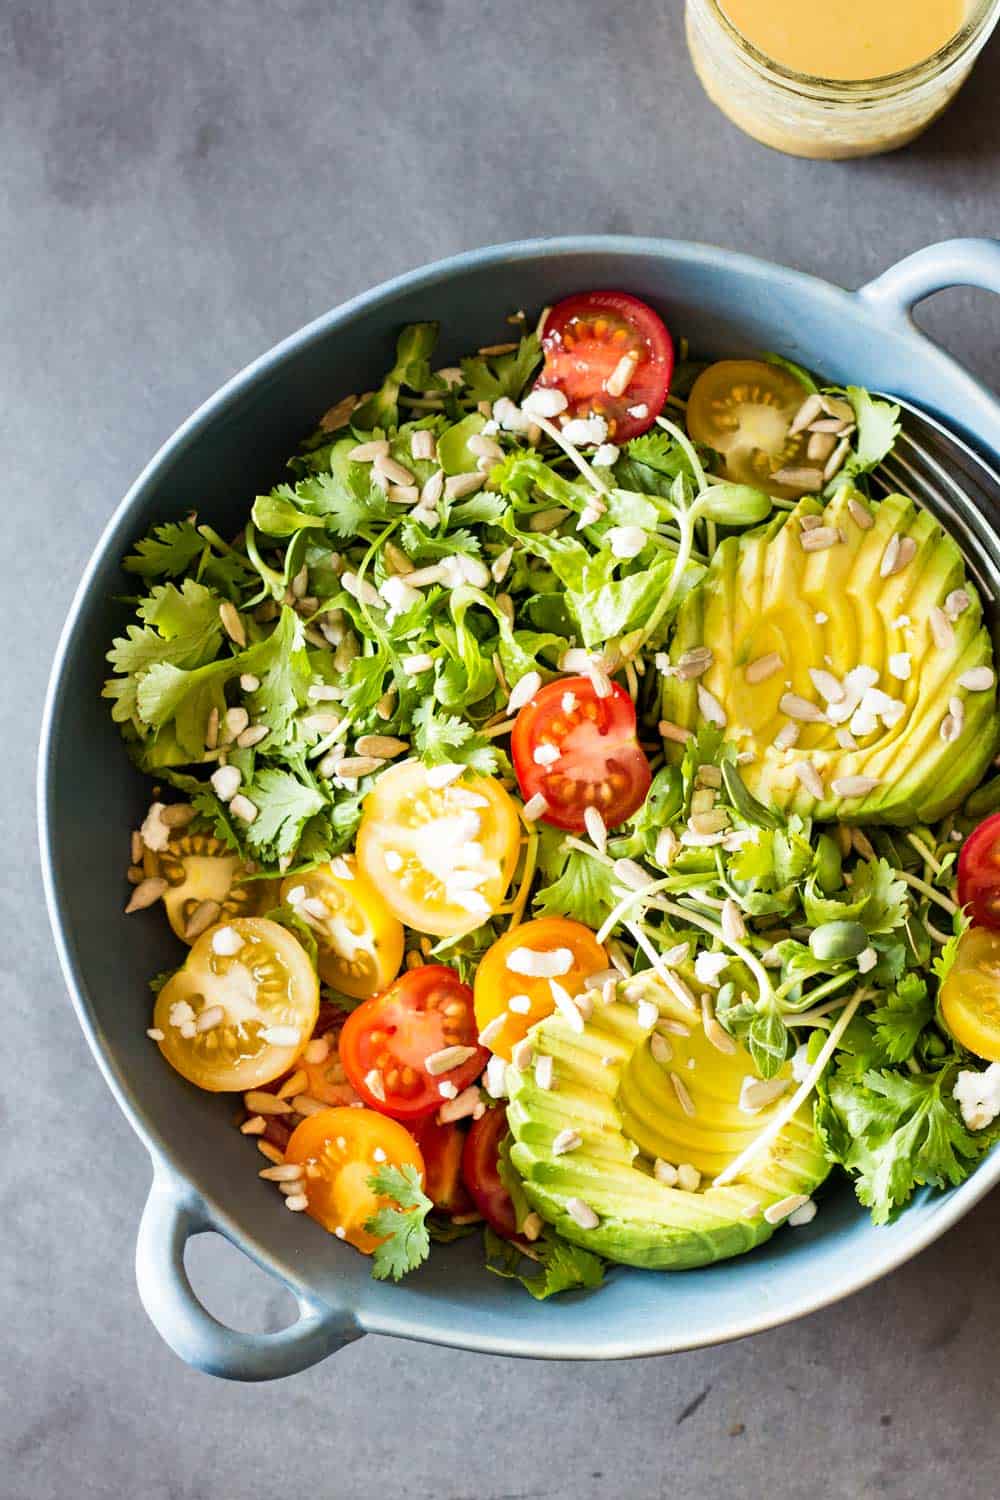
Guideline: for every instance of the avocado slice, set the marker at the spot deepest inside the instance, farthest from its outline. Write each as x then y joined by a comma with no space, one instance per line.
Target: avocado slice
893,642
622,1103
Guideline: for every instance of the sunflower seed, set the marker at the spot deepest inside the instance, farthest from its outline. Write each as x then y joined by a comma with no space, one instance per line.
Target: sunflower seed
956,603
447,1059
338,415
523,691
942,630
820,539
147,893
688,1177
834,406
977,679
800,708
734,928
694,663
683,1097
763,667
423,445
664,1172
484,447
710,707
620,378
862,844
899,552
566,1140
952,726
352,767
289,1171
819,448
775,1213
432,490
808,480
757,1093
459,485
826,685
393,471
256,1125
383,746
271,1152
581,1213
205,915
787,736
807,412
252,736
241,807
366,453
836,460
660,1048
860,514
231,623
809,778
673,732
854,786
596,827
259,1102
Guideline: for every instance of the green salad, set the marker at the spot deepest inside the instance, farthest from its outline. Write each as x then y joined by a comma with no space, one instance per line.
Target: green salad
574,803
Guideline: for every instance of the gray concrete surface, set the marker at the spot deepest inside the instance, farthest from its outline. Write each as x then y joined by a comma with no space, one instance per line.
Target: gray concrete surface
181,185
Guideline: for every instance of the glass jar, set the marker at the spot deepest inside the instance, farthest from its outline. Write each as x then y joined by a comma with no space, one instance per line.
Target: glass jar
826,118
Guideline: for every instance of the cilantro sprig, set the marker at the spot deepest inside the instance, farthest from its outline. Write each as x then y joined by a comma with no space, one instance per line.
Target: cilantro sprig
400,1223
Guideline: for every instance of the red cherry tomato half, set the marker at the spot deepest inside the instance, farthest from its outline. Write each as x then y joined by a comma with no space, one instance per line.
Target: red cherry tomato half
441,1148
482,1178
611,356
979,873
386,1043
599,762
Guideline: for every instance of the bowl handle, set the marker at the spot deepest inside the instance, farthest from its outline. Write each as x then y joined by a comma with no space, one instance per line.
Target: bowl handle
965,262
171,1216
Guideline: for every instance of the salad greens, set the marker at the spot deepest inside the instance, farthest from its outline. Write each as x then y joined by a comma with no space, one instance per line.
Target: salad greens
354,605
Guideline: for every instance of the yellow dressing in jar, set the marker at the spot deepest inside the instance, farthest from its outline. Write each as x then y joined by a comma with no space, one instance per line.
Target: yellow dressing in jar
847,39
837,79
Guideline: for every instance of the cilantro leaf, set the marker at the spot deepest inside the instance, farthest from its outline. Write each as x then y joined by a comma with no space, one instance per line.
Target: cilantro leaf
577,884
878,429
414,348
169,550
899,1131
284,806
401,1223
563,1267
488,377
876,899
440,737
903,1016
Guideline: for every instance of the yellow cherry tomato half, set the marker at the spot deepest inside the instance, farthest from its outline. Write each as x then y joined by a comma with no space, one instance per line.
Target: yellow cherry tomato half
340,1149
360,942
198,868
557,949
242,1008
441,857
743,408
970,995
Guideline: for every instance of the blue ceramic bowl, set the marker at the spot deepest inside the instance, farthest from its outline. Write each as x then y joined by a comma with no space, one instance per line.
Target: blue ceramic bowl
204,1172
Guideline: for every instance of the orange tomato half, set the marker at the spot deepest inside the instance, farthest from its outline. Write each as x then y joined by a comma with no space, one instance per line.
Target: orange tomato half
340,1149
572,953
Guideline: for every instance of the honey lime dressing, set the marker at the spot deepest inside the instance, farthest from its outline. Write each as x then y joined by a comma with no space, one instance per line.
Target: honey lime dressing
847,39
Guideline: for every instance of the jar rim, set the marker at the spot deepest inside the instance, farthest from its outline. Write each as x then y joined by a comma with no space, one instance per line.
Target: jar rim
984,15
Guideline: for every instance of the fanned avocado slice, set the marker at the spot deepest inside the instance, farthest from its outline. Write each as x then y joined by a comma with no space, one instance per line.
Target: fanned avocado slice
608,1088
867,612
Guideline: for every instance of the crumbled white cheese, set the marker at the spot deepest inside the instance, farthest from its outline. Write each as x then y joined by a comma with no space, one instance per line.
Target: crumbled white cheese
708,968
640,412
547,401
900,622
155,834
535,965
226,941
627,541
546,755
867,959
821,617
978,1096
399,596
586,430
606,455
510,417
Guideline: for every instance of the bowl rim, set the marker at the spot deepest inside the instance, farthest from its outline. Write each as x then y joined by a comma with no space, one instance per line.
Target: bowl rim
432,1323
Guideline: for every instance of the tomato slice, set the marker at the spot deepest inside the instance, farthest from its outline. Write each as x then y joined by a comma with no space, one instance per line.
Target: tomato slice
340,1149
480,1170
441,857
970,995
207,882
612,357
360,942
240,1011
979,873
568,950
387,1042
744,408
599,762
441,1147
